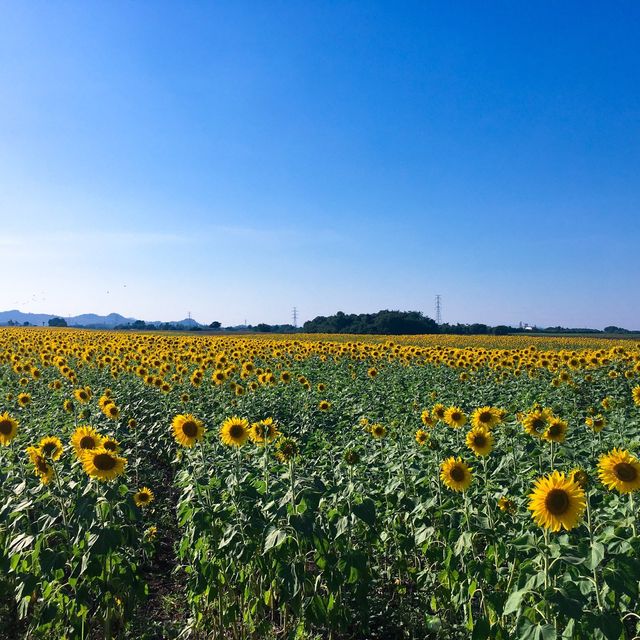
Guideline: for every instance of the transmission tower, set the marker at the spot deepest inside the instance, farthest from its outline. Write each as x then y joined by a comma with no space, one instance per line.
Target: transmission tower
438,309
295,317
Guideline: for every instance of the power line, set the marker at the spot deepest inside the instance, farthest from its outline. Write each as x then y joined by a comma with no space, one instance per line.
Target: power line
295,317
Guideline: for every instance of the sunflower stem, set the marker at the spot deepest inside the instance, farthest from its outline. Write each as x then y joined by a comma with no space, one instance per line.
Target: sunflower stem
633,515
591,538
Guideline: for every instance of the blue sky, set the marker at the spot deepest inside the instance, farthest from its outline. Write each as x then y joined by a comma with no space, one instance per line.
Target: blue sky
235,159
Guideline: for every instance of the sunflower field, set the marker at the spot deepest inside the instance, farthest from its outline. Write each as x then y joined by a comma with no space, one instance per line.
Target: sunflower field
185,486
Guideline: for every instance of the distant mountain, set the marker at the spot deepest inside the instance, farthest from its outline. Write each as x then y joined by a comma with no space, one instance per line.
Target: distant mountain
84,320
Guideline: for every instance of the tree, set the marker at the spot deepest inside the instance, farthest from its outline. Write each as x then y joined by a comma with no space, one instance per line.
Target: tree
57,322
215,325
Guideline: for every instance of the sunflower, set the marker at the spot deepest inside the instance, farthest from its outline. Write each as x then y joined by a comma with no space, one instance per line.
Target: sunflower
455,417
556,502
132,423
102,464
263,431
40,465
144,497
556,431
324,405
234,431
455,474
378,431
187,429
596,423
507,505
85,438
51,447
438,411
480,441
372,372
351,456
285,377
422,437
67,405
635,394
111,444
111,411
82,395
536,422
487,417
287,449
580,476
24,399
8,428
619,470
427,419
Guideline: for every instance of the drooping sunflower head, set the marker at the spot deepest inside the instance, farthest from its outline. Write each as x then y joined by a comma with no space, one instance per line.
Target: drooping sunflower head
102,464
507,505
438,411
187,429
557,502
85,438
456,474
51,447
619,470
480,441
535,423
8,428
427,419
287,449
580,476
556,430
234,431
455,417
351,457
378,431
41,467
422,437
263,431
144,497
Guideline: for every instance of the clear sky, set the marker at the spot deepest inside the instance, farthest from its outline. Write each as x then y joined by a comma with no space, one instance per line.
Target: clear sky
234,159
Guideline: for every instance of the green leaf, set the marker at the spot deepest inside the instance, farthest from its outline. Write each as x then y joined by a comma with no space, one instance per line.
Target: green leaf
366,511
275,537
514,601
597,555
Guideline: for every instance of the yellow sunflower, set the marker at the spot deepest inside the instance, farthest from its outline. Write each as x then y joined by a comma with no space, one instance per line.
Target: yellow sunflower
487,417
85,438
480,441
187,429
287,449
324,405
536,422
422,437
144,497
596,423
556,431
378,431
82,395
40,465
557,502
456,474
234,431
51,447
619,470
580,476
8,428
438,411
102,464
263,431
111,444
427,418
635,394
24,399
455,417
507,505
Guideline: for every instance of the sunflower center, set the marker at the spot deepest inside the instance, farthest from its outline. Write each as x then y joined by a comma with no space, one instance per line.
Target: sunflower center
143,497
104,462
87,442
49,448
537,424
457,474
557,502
236,431
41,465
485,416
455,416
555,430
190,429
5,427
110,445
625,472
480,441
